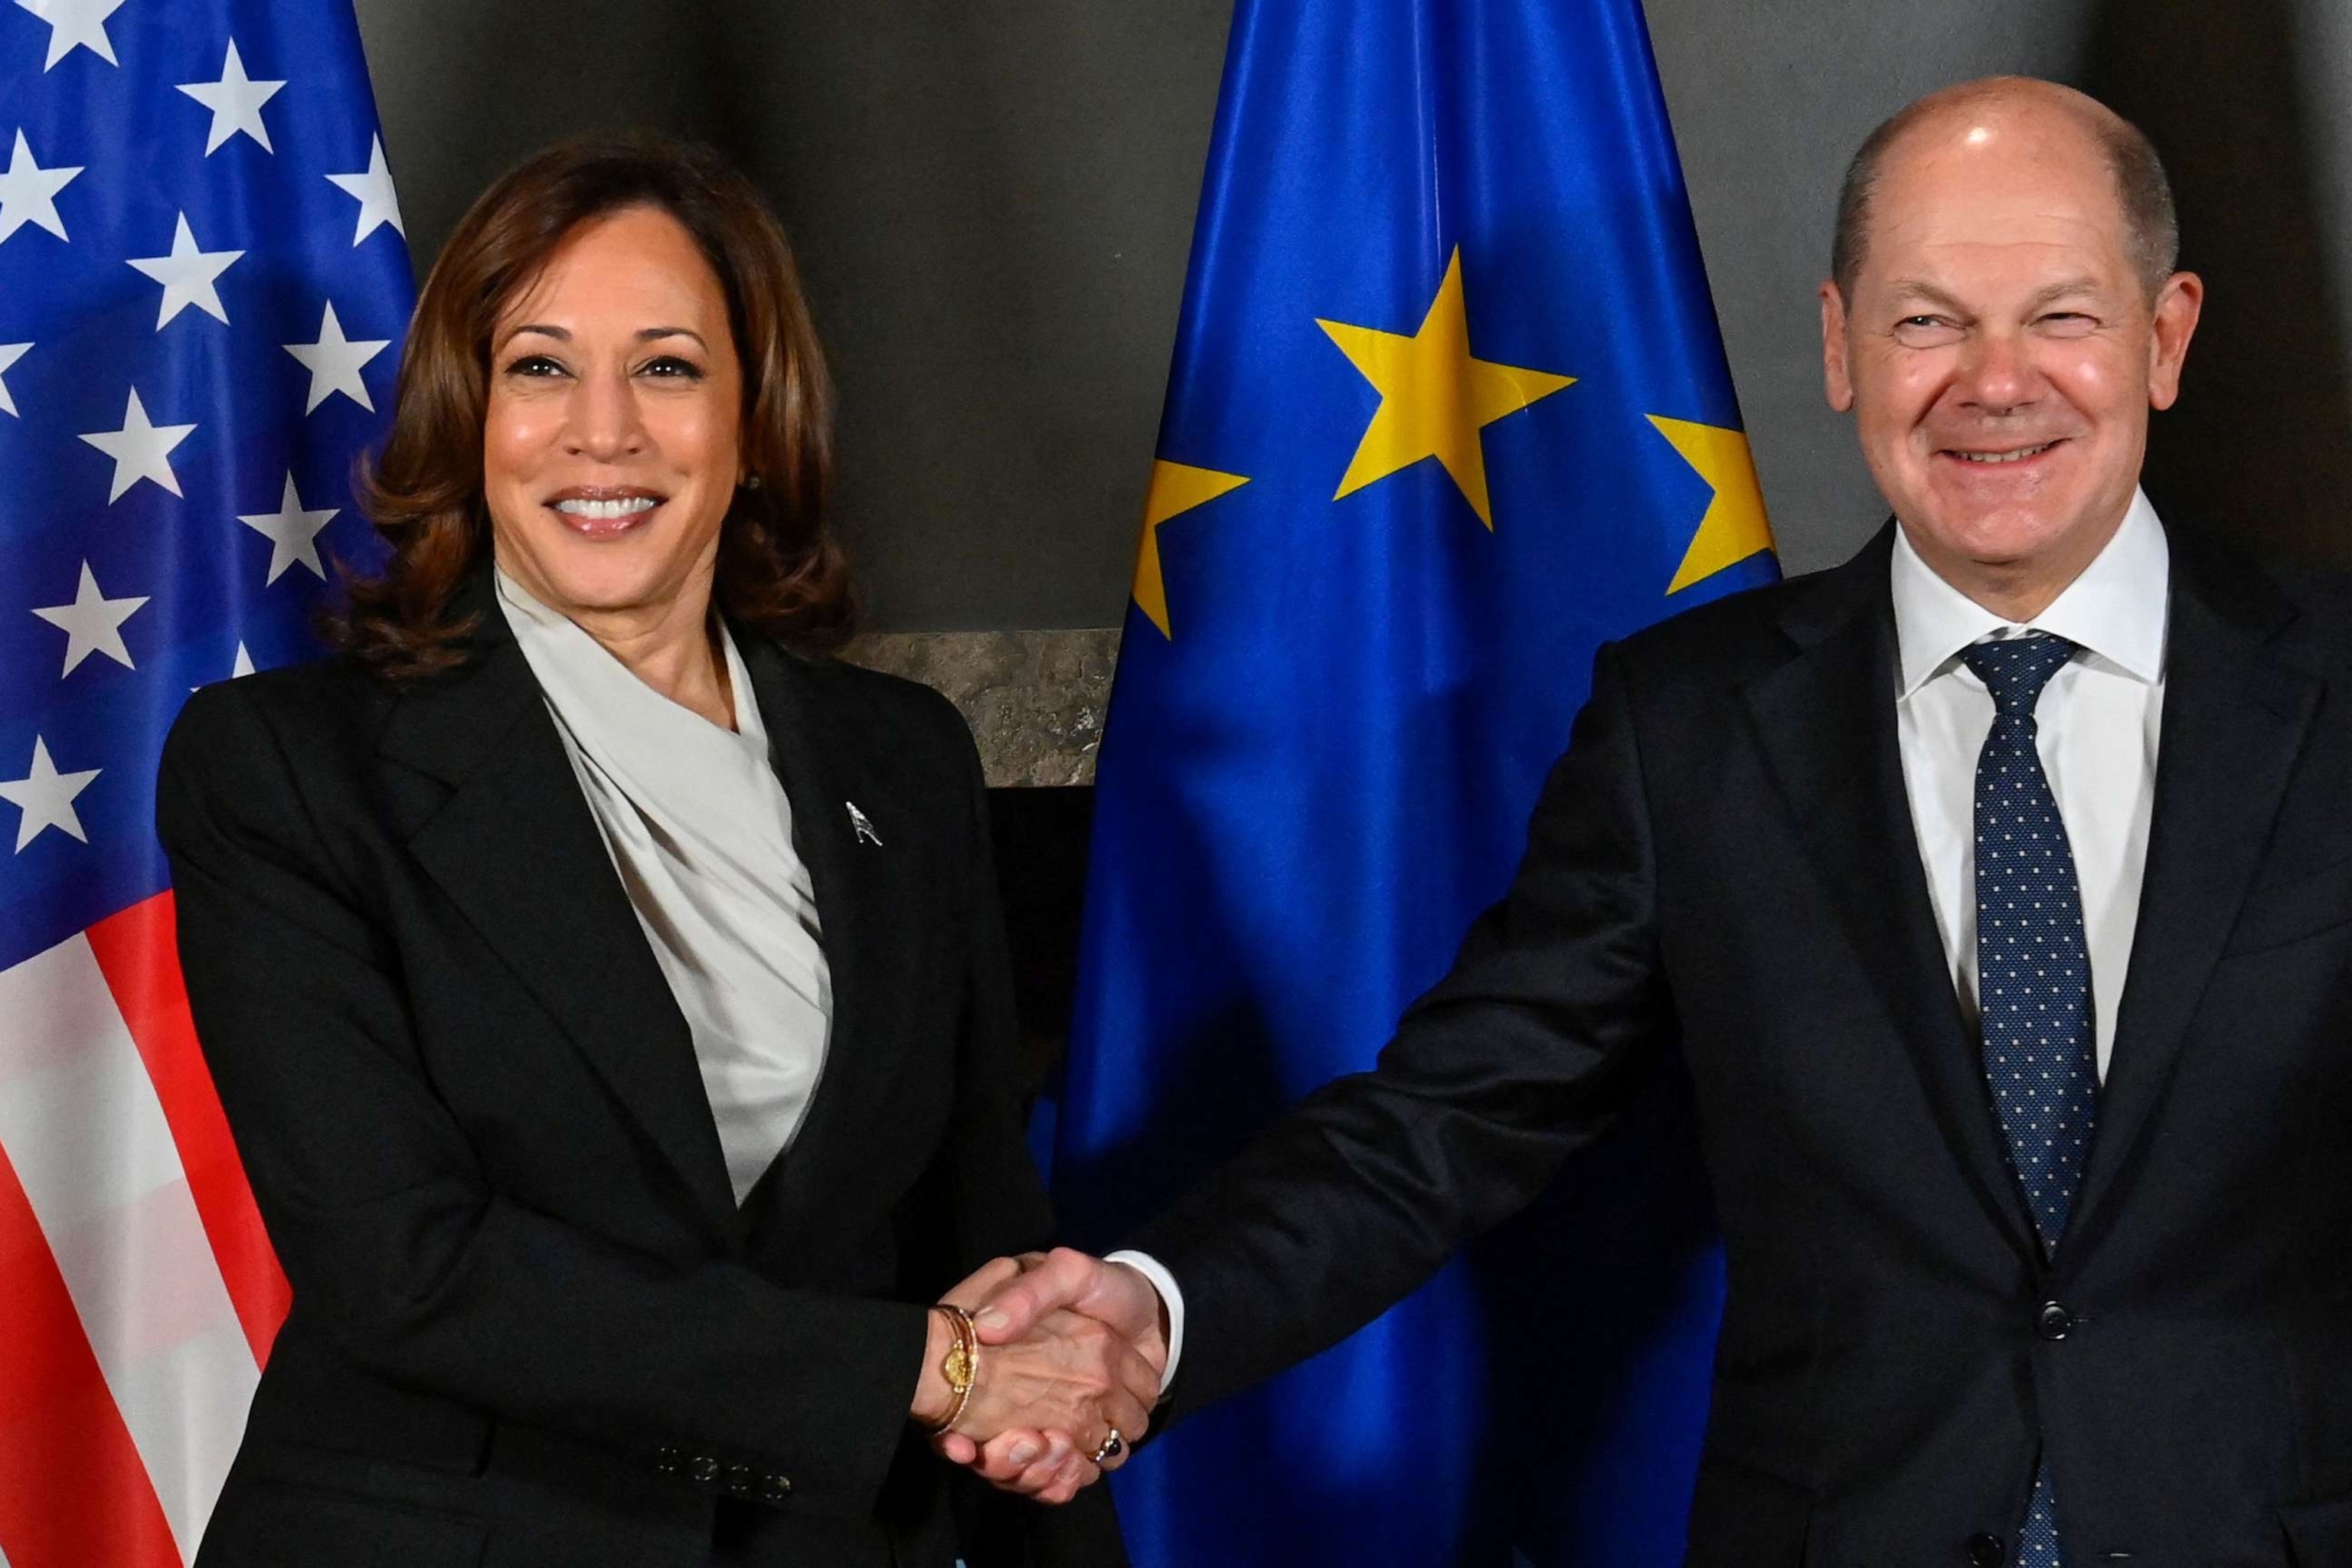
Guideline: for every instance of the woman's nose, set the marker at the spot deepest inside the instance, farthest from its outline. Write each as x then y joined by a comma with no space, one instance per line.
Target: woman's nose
605,425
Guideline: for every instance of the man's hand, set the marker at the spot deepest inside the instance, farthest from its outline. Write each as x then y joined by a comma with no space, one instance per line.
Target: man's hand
1040,1461
1054,1382
1064,1281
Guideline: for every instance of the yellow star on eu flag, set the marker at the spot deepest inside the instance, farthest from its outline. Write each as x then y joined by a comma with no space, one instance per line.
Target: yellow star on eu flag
1735,526
1434,398
1176,489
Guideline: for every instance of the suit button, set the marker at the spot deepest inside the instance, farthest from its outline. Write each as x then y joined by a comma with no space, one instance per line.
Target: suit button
739,1479
775,1488
668,1461
2053,1321
706,1469
1987,1549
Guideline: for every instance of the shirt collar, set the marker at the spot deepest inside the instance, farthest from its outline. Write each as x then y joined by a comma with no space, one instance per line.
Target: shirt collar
595,693
2115,609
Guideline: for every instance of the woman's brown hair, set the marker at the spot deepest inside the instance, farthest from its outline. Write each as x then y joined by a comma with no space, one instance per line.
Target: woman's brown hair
778,569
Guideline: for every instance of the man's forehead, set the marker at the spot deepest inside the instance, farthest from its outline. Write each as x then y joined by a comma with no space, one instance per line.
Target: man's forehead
2028,141
1998,192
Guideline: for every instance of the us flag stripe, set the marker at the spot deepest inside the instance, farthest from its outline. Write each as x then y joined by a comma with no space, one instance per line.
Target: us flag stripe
57,1420
137,953
86,1133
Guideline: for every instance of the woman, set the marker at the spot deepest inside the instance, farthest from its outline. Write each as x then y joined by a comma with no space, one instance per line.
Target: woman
606,990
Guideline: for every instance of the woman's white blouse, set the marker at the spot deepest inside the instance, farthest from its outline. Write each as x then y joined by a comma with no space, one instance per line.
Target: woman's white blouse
701,832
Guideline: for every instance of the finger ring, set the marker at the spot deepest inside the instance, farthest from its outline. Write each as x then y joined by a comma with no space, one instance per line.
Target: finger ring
1113,1447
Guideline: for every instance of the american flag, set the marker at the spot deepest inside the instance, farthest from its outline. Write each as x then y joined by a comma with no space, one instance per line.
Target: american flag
203,283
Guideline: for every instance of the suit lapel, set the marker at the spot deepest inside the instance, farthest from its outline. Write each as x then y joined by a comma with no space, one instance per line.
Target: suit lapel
516,849
2235,719
816,751
1826,723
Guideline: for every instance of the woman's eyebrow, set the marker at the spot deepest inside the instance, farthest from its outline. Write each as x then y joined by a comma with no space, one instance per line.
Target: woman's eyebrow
564,335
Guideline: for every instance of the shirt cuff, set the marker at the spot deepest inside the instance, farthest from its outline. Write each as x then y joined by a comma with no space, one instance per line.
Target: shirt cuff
1171,1297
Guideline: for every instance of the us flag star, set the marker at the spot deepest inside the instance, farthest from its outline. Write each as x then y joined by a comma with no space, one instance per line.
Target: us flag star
189,275
140,449
335,362
292,533
45,797
379,203
29,193
236,101
93,622
75,25
9,354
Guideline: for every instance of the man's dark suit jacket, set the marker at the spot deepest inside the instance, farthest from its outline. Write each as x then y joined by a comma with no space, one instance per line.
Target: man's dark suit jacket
1724,862
529,1325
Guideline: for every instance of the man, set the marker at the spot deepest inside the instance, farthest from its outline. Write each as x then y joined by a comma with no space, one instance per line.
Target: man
1997,888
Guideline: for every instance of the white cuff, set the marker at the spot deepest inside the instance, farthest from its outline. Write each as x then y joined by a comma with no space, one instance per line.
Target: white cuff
1171,1297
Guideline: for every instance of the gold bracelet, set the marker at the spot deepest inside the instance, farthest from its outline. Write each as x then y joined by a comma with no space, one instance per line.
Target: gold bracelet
960,1365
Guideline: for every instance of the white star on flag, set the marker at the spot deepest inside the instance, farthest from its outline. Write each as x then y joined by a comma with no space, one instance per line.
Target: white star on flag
334,362
236,101
76,24
45,796
9,354
29,193
92,624
293,534
189,275
244,665
141,450
378,205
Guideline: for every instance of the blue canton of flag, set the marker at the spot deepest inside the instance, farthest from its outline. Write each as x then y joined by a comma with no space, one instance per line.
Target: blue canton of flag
203,285
1449,409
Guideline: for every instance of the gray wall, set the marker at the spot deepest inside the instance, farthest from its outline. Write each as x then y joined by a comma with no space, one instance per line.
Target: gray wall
993,201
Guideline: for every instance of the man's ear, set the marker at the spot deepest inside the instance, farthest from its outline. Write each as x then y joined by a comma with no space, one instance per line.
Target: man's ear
1837,380
2177,305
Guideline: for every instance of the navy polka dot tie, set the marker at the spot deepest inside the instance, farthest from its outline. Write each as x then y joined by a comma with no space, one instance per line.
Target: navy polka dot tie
2033,975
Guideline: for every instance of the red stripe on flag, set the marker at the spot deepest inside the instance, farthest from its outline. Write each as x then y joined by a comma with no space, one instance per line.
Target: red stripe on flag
139,957
73,1491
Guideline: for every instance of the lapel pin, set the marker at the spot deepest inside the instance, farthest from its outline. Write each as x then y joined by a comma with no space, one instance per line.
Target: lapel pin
861,830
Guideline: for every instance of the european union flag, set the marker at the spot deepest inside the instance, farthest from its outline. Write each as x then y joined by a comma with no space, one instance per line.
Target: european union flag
1449,409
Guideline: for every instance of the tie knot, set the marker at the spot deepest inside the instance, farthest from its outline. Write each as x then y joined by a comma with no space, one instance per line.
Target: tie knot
2015,670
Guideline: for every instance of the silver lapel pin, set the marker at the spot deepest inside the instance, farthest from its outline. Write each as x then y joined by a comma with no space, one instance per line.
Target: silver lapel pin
861,830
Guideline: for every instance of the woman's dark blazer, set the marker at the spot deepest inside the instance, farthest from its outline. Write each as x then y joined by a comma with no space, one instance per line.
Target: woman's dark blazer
530,1325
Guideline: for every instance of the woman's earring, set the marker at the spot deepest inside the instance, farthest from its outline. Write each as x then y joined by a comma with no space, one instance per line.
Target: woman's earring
751,482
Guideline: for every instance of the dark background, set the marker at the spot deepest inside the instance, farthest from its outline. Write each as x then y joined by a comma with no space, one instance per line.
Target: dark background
992,200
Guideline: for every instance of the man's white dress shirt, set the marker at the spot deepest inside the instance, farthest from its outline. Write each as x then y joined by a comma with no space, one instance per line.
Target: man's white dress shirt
701,832
2096,730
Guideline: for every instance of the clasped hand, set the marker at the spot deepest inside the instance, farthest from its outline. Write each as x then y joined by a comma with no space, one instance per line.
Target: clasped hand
1072,1351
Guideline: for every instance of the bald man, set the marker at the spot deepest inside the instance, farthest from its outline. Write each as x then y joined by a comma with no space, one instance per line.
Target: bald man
1996,887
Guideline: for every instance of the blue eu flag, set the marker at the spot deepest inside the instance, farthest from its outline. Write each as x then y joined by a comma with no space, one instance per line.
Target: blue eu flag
1448,409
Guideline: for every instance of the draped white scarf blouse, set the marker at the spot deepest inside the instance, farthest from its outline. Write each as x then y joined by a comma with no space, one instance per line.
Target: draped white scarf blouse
701,832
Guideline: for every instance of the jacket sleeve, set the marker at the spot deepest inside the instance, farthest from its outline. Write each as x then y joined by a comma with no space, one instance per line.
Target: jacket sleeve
1544,1030
396,1240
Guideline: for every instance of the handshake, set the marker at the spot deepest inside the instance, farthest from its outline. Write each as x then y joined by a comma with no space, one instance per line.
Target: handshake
1051,1378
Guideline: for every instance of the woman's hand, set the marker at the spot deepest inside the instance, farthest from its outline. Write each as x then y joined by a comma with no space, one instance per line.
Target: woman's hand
933,1397
1045,1402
